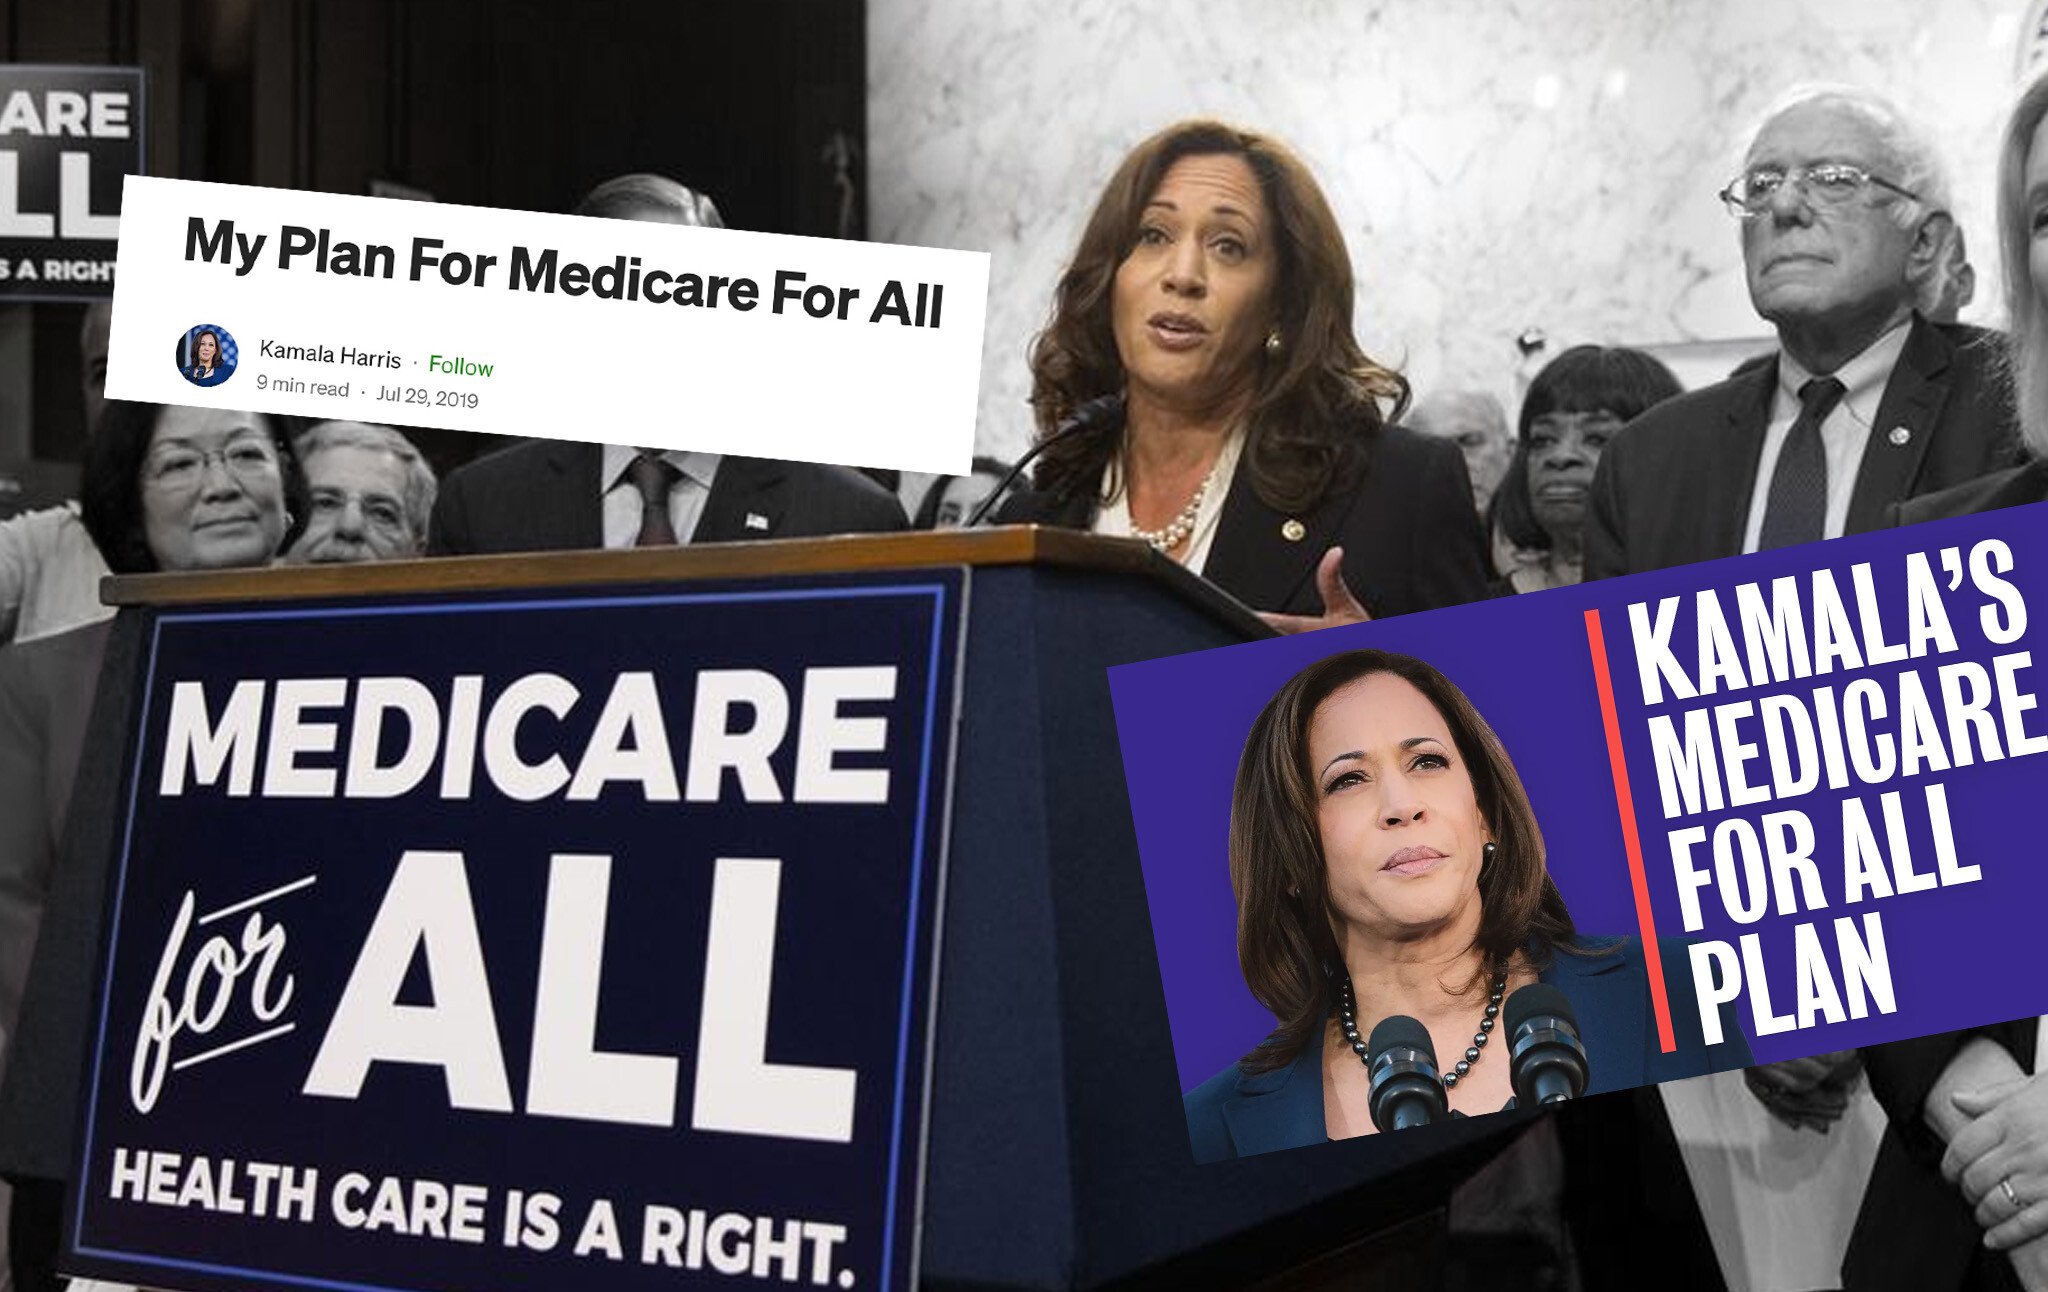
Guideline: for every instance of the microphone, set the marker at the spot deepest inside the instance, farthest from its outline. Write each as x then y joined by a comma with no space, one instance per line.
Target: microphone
1406,1088
1090,416
1546,1060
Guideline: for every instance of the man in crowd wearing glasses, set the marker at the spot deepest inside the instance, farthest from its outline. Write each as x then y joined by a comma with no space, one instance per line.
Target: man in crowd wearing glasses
1843,212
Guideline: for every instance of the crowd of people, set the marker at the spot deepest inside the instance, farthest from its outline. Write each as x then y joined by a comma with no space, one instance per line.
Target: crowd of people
1210,300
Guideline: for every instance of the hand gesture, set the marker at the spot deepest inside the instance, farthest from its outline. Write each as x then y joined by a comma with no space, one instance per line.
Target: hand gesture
1339,606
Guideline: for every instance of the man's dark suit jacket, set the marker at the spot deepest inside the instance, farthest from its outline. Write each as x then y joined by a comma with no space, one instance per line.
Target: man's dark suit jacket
1674,486
1401,508
544,496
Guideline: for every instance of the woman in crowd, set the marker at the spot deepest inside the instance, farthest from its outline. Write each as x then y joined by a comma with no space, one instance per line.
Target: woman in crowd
1213,291
1574,406
207,360
163,489
191,489
1386,860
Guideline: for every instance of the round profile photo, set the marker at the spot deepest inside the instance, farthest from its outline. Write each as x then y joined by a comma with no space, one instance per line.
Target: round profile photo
206,355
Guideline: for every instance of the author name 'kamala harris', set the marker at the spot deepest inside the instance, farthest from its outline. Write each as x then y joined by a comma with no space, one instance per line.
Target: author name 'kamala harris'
327,354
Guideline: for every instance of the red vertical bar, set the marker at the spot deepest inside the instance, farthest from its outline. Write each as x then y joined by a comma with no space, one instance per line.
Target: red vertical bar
1625,802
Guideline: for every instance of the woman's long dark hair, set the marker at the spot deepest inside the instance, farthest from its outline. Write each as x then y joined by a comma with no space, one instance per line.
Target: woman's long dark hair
1315,402
219,358
1286,940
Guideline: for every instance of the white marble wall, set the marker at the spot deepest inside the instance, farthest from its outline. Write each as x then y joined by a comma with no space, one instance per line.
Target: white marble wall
1497,164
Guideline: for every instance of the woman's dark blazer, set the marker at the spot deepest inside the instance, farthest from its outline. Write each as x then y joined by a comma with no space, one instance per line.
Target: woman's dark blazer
1400,506
1236,1114
198,377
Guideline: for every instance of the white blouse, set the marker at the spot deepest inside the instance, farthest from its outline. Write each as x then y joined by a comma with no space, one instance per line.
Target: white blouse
1113,514
1779,1204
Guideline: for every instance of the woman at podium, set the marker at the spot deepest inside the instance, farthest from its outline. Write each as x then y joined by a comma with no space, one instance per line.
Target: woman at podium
1386,862
1212,290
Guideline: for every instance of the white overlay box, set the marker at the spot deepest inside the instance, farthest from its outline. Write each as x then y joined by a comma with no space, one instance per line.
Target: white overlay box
528,323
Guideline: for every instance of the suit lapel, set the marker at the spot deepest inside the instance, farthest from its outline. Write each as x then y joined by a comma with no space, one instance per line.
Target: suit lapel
1253,556
1283,1109
749,500
1912,402
1749,416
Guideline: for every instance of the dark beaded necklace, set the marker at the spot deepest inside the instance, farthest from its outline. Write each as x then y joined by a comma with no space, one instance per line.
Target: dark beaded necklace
1350,1018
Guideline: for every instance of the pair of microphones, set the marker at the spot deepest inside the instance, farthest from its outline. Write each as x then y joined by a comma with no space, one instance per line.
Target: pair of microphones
1546,1060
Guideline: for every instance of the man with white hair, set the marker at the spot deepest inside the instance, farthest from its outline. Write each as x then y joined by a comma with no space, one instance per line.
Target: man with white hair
1843,212
371,495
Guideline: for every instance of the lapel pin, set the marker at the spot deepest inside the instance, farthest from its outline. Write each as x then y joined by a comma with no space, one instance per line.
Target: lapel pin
1899,436
755,520
1293,531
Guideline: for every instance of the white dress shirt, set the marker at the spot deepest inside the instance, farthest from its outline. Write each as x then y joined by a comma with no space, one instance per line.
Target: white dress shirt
622,502
1843,434
1779,1204
1113,518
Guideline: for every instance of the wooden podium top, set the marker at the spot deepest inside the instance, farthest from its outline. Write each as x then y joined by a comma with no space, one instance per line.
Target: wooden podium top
1007,545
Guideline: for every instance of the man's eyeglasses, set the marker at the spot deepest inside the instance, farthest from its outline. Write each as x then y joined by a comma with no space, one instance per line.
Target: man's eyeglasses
1823,184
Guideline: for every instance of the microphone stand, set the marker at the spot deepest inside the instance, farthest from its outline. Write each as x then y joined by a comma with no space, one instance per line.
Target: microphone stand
1093,415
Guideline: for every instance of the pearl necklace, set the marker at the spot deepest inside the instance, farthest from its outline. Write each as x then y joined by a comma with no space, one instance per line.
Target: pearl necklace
1472,1051
1182,525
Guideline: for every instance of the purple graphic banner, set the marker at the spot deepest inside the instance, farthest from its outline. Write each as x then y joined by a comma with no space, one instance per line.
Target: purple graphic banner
1813,773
